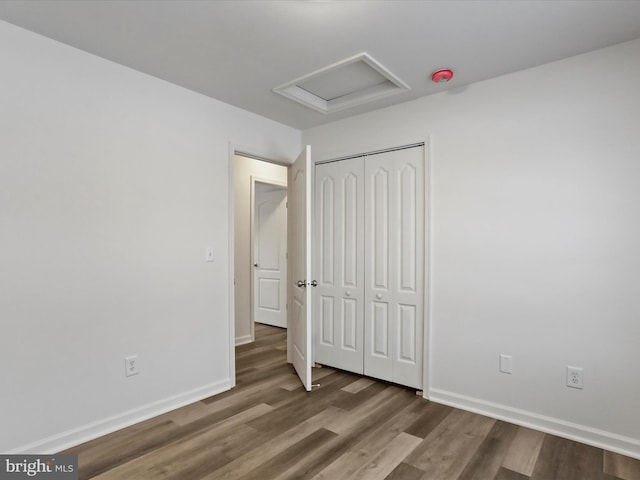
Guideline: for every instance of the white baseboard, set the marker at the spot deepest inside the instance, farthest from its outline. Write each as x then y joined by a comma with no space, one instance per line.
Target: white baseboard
96,429
244,339
561,428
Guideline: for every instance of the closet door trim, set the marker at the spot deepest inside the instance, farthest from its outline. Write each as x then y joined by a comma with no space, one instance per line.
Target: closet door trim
410,142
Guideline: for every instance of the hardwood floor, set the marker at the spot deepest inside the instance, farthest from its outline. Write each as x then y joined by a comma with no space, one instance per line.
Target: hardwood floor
268,427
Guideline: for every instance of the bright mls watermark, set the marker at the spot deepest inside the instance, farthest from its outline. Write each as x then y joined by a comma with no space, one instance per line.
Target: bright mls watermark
50,467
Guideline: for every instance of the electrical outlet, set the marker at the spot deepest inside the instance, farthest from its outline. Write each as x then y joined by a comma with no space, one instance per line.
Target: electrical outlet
506,363
131,366
574,377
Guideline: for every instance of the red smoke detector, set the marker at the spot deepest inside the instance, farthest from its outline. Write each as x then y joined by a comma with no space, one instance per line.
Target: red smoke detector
443,75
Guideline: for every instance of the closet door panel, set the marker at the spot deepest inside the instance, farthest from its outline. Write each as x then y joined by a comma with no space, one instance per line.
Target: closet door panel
327,321
350,325
409,267
395,267
407,206
339,229
407,324
351,234
327,214
379,337
379,205
380,331
325,202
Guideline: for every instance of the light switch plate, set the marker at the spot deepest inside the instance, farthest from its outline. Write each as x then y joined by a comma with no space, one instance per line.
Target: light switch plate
506,363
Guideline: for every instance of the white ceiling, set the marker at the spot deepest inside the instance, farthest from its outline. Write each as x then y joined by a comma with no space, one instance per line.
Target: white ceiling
238,51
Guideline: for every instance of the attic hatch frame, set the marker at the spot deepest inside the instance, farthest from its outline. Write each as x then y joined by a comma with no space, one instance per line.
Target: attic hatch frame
391,85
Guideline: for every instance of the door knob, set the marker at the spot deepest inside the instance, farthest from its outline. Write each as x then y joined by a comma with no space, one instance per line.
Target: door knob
378,296
255,264
314,283
302,283
348,293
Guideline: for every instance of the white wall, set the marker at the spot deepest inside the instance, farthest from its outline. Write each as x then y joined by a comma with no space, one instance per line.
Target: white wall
244,170
535,211
112,184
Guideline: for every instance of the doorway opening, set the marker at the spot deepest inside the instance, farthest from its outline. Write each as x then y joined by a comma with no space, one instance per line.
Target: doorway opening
269,254
256,182
245,173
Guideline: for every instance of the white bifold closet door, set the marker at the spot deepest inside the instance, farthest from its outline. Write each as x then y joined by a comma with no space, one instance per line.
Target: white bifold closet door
339,257
394,267
369,233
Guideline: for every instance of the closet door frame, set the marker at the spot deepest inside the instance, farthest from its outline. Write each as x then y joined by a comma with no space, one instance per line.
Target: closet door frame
393,144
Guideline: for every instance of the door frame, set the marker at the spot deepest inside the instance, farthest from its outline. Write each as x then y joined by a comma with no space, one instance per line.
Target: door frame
252,200
246,151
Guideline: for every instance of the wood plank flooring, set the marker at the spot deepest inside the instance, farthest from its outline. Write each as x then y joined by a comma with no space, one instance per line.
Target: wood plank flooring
350,427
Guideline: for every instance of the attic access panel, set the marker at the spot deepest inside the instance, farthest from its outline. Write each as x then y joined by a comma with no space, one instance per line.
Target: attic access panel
354,81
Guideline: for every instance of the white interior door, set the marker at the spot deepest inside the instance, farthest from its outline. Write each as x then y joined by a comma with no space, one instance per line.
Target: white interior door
269,257
299,279
339,264
394,268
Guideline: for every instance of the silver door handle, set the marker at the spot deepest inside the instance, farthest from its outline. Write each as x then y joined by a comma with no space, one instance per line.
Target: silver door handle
314,283
302,283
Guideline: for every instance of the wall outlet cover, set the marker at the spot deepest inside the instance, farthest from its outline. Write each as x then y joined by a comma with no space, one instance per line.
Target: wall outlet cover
131,365
574,377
